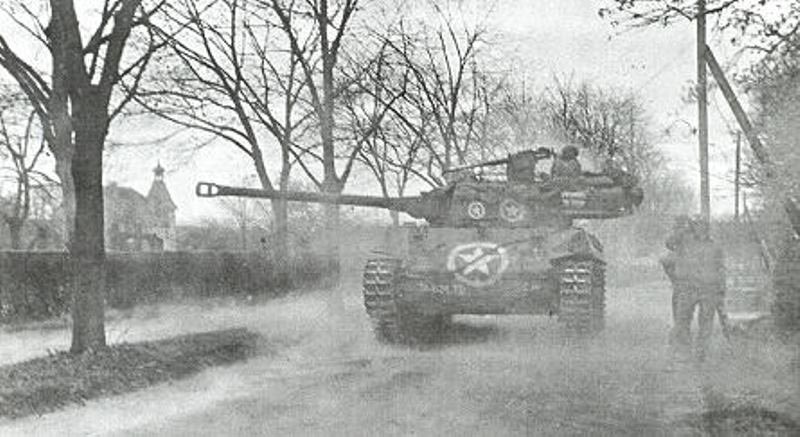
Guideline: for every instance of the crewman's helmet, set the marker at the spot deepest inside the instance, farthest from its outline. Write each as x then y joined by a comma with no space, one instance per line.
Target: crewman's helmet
569,152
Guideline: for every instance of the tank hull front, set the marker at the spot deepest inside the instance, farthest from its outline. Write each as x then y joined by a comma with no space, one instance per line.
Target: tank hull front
509,296
487,270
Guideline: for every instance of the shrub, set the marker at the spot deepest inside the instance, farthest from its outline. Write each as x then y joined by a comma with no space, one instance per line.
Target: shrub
34,285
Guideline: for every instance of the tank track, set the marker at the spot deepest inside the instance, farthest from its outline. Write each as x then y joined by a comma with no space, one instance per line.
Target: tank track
392,321
380,298
581,286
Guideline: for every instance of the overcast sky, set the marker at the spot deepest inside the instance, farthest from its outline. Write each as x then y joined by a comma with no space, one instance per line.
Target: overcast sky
541,38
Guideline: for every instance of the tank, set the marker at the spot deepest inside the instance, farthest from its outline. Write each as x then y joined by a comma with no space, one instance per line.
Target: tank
489,242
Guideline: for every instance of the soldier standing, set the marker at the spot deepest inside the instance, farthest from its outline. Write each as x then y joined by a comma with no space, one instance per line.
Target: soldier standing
697,272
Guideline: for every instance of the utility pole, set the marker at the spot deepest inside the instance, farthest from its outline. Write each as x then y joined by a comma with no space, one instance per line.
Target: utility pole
737,177
702,111
759,152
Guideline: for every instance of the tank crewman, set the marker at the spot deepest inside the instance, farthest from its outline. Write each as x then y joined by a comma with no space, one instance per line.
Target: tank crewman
566,170
698,278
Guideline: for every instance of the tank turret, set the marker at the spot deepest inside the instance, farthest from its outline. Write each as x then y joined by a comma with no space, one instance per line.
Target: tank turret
520,198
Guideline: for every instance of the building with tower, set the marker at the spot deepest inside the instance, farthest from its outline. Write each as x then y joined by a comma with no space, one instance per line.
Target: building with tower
140,223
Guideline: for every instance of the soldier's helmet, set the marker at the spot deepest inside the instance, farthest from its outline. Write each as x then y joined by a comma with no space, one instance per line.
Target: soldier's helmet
569,152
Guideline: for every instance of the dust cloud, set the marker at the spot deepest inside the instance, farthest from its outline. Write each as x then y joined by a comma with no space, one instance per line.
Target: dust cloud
323,373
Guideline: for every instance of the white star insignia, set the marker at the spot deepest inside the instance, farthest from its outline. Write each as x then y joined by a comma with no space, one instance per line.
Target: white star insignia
477,260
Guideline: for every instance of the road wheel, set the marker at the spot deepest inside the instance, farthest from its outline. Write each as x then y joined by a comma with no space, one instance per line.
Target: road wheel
393,321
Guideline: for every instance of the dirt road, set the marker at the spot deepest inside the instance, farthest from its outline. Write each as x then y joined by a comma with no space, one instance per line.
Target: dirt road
488,376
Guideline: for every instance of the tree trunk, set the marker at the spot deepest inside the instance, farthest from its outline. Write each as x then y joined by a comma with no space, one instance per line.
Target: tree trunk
87,248
243,236
280,253
15,234
331,183
332,232
331,212
64,173
61,142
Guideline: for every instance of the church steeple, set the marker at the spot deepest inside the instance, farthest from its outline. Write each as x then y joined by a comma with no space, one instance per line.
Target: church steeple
159,172
158,197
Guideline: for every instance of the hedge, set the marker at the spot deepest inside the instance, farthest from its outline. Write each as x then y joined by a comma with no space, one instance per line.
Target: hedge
34,285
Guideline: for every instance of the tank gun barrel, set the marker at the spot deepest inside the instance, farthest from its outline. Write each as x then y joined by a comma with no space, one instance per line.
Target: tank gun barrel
417,206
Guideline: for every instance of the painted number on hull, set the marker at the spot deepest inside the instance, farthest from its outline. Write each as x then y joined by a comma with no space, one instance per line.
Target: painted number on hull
477,264
457,289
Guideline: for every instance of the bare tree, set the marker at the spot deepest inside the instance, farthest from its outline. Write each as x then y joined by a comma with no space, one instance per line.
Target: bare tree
398,146
502,120
382,142
766,27
245,213
518,112
454,109
391,155
610,123
327,24
445,89
231,74
75,102
22,149
776,98
663,12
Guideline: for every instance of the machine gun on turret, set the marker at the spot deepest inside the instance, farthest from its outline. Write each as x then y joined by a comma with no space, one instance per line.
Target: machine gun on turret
520,166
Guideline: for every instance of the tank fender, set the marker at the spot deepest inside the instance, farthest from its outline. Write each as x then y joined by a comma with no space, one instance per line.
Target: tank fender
574,242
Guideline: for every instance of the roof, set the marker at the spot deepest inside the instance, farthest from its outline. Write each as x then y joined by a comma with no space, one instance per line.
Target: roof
124,194
123,202
159,197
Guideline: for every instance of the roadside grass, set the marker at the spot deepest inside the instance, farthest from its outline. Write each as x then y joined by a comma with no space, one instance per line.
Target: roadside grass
64,321
45,384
